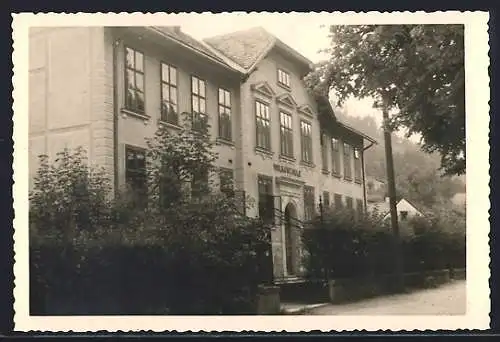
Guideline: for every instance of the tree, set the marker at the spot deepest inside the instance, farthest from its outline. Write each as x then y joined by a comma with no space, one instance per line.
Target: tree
416,70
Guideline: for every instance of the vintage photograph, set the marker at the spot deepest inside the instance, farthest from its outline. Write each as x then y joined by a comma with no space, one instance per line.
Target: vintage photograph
241,165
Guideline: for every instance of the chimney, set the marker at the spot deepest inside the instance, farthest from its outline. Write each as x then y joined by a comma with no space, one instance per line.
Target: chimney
177,29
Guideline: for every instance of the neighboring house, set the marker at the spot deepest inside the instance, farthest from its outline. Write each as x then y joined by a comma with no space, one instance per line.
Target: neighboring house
108,88
375,189
404,208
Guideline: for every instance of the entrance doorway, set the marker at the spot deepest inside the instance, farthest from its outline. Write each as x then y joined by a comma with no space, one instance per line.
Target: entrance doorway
290,223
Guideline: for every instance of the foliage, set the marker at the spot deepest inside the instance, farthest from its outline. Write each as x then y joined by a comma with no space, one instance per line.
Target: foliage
95,254
340,246
418,70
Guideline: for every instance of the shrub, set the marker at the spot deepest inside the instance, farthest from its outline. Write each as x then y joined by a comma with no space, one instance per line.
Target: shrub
91,253
342,246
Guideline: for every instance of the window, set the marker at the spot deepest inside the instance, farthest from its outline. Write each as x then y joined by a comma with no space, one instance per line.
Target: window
326,199
335,156
404,215
263,125
198,103
225,114
266,199
169,111
226,181
357,165
283,78
134,80
308,203
324,151
135,172
306,141
348,202
286,134
347,161
359,206
199,183
338,201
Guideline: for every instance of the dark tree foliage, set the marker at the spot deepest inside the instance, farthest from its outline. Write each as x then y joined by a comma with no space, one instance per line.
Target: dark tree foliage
415,70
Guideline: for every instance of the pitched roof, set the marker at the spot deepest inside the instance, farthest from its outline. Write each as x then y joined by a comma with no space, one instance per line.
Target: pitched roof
175,33
248,47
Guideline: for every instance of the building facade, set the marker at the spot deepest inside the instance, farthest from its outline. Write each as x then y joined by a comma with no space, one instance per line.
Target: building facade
108,88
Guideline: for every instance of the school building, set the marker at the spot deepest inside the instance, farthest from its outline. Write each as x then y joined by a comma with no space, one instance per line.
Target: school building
107,88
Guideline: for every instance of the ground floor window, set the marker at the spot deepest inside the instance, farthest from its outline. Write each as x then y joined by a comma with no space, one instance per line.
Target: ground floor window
199,184
226,179
266,198
308,203
349,203
326,199
135,172
338,201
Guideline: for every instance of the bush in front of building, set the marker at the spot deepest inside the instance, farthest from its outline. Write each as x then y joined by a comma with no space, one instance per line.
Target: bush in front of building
344,245
92,253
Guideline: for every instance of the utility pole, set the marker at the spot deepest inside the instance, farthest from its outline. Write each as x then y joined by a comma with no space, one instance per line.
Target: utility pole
391,187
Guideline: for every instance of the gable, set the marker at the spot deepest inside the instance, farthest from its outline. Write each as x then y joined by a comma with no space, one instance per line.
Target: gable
307,110
263,88
287,100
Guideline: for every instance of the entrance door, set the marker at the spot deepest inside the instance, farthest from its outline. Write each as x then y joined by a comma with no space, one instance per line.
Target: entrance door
290,216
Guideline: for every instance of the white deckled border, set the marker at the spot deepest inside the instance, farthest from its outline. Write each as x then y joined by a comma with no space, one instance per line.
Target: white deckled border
477,123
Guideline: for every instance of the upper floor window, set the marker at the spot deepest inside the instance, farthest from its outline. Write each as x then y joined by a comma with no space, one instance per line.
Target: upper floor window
306,141
347,161
134,80
284,78
198,103
169,111
225,114
357,165
335,156
286,134
324,151
309,208
263,125
135,172
404,215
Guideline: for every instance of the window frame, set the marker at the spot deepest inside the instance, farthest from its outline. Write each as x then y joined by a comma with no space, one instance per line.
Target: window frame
286,80
225,134
324,151
222,188
306,148
286,134
133,106
198,118
309,208
335,143
326,199
263,131
358,165
347,148
337,201
168,83
265,198
131,173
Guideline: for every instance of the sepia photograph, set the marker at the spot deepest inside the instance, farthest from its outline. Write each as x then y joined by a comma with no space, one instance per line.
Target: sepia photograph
265,164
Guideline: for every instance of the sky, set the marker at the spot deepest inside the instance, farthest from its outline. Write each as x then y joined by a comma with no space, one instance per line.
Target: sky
306,33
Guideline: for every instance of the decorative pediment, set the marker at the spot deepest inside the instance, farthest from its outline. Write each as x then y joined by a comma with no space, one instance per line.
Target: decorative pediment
307,110
287,100
263,88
